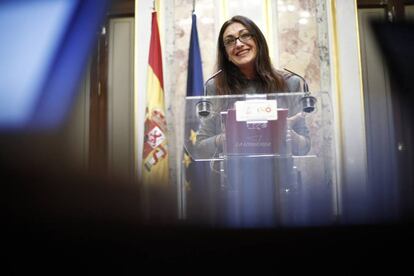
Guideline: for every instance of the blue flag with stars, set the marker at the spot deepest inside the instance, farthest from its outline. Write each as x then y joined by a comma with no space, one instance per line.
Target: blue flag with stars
195,82
197,174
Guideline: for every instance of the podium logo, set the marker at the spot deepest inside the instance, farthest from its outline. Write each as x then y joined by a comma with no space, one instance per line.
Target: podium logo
256,110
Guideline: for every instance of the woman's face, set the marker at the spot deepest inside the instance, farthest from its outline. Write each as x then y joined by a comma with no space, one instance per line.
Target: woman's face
242,51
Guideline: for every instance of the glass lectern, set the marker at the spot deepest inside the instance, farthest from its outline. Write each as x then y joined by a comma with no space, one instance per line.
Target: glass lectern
262,160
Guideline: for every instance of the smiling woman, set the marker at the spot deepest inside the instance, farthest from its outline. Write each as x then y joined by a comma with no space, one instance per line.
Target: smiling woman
241,50
243,55
245,68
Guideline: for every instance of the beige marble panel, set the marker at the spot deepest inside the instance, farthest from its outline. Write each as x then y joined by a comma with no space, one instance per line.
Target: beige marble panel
298,39
304,48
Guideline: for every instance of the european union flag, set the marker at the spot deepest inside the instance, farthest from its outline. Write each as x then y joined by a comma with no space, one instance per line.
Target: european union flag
195,82
197,174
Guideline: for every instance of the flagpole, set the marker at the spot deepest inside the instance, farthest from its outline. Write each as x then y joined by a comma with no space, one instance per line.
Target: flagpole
193,6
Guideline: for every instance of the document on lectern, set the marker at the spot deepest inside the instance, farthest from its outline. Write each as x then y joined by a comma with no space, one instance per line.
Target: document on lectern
259,137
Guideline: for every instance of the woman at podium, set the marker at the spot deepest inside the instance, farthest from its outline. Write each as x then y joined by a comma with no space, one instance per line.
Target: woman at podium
257,168
245,68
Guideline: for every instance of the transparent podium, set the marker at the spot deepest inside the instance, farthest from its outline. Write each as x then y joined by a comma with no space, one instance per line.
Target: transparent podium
262,160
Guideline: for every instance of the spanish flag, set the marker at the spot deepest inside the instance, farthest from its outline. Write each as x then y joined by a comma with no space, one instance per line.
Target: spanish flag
155,155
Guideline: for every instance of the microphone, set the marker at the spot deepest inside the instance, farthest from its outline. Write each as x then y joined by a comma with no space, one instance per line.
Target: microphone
210,78
203,107
308,101
305,84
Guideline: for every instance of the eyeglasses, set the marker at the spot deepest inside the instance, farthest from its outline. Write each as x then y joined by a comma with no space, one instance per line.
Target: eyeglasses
231,40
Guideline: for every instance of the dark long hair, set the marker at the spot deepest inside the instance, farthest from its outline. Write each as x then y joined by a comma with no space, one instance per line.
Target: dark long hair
231,80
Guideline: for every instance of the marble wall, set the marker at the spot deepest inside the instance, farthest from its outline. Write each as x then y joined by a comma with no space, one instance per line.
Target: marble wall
303,40
300,34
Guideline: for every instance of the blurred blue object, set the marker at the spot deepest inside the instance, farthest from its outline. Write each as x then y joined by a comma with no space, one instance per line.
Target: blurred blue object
45,49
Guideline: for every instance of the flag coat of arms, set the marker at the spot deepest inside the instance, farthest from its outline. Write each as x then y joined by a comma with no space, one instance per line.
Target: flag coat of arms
155,153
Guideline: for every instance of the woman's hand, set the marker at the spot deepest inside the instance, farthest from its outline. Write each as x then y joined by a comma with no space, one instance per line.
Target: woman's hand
300,143
294,119
220,140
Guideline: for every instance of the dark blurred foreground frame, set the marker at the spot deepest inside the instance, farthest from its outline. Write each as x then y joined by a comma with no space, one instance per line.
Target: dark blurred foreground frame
396,40
58,220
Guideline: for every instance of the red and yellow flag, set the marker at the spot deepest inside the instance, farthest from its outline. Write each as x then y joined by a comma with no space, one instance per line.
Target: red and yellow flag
155,156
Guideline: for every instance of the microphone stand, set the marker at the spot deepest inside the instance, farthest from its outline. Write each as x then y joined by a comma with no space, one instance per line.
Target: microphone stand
203,107
308,101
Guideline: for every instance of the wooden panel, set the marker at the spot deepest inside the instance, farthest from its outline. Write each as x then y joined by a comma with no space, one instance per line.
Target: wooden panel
121,96
120,8
98,106
98,138
76,132
379,115
394,10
